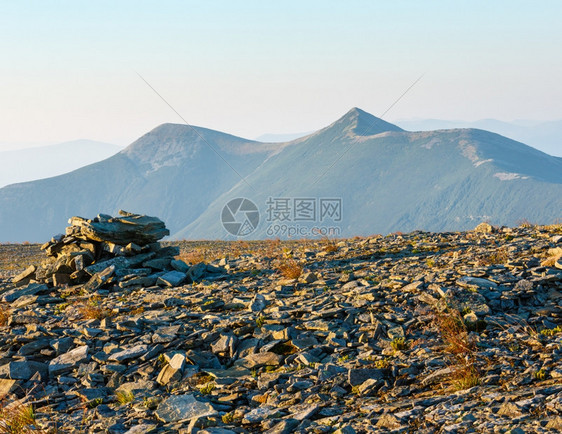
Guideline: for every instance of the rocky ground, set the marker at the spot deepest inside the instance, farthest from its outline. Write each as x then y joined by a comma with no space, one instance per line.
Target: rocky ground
419,332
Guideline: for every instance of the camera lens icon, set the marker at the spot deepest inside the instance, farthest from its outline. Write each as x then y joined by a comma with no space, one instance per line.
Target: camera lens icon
240,217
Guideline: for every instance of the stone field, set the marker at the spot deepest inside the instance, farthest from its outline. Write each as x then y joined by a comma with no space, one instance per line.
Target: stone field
104,331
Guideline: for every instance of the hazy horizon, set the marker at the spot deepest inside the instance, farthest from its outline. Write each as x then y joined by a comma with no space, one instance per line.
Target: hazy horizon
70,70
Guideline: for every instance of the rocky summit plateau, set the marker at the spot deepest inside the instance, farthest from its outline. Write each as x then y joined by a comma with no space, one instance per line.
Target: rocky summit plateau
411,332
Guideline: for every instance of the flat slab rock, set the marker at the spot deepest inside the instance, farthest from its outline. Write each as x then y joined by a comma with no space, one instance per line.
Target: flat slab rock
172,278
129,353
182,407
68,361
23,370
128,228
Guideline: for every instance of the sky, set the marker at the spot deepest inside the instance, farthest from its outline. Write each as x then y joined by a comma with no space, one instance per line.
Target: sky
70,69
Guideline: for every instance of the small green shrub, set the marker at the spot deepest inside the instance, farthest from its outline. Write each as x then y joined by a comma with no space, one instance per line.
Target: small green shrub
208,388
260,321
399,344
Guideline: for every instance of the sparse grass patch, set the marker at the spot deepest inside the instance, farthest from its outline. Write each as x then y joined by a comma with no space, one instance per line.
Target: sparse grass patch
194,257
454,333
95,402
151,403
344,358
524,223
228,418
272,247
465,376
382,363
17,418
92,310
201,379
497,257
60,308
137,311
551,332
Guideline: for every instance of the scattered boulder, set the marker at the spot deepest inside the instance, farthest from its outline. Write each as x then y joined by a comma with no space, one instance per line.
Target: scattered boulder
484,228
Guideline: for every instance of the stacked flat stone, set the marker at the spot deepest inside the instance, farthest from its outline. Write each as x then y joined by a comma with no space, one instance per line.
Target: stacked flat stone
106,251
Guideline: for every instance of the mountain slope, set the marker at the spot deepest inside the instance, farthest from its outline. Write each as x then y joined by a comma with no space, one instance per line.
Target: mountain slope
171,172
46,161
388,179
397,180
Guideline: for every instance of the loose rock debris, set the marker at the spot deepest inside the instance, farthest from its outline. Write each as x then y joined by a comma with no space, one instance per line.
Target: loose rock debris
418,332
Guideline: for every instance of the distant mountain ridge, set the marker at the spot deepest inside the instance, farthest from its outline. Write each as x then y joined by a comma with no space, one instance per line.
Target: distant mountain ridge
40,162
546,136
387,179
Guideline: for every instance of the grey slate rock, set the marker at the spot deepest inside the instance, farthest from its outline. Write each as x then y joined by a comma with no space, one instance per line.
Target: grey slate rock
31,289
23,370
129,353
359,376
172,278
183,407
68,361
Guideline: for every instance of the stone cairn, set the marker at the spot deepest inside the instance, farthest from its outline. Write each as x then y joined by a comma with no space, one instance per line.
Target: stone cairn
116,252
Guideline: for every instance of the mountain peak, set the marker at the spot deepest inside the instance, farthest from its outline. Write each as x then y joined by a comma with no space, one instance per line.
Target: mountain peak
361,123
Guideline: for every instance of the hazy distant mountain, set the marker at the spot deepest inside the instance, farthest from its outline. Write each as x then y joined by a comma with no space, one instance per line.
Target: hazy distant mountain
43,162
390,179
170,172
387,179
545,136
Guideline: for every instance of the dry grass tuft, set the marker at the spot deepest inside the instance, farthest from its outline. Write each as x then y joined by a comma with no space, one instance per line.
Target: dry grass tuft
195,257
92,310
5,313
454,333
524,223
16,418
498,257
272,247
465,376
329,245
290,268
124,396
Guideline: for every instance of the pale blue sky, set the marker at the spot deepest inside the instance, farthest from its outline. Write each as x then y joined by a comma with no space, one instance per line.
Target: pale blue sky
252,67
